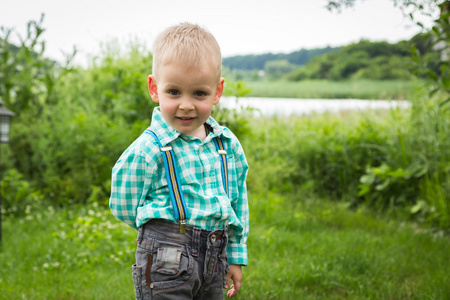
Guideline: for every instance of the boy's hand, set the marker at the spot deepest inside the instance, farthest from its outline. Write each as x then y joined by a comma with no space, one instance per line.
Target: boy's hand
234,274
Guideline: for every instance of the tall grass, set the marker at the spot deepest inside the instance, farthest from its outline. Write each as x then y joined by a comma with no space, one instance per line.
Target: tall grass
325,89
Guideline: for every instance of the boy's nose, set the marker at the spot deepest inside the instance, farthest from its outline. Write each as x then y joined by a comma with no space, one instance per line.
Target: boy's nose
186,104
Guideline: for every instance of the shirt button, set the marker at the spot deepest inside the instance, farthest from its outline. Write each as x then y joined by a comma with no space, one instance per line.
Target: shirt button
208,180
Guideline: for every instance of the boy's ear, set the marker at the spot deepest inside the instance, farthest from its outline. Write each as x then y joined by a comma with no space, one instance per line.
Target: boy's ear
219,91
152,88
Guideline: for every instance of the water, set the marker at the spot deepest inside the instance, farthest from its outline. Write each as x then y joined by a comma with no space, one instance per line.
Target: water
287,107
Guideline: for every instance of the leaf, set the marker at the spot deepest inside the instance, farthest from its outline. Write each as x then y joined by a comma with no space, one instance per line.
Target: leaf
363,190
367,179
381,170
444,102
383,185
431,94
444,69
420,205
435,30
399,173
446,83
433,75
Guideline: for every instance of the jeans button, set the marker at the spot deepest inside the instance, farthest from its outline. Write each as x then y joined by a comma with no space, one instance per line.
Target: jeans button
213,239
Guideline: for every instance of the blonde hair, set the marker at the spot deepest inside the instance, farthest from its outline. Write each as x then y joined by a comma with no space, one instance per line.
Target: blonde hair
188,44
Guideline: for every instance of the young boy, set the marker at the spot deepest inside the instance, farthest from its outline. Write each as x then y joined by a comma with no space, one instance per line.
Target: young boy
192,236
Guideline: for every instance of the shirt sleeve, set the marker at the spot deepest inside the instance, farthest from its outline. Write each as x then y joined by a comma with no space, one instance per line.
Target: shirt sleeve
237,244
129,187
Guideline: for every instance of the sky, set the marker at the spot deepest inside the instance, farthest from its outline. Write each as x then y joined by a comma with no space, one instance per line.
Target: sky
240,26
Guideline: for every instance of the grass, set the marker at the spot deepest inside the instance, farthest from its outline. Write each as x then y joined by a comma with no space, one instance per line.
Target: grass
299,249
324,89
321,250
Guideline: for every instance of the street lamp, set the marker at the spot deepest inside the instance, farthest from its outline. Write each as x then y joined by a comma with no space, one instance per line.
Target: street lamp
5,115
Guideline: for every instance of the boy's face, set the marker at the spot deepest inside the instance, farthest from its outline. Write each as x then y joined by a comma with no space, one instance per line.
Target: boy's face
186,95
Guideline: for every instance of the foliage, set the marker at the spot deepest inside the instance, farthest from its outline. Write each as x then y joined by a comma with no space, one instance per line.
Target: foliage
27,79
17,194
59,107
430,52
66,141
257,62
391,185
73,123
277,68
434,63
425,6
76,122
381,160
237,120
365,59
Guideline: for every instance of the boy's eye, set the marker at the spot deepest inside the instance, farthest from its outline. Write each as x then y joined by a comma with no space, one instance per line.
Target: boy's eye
173,92
200,94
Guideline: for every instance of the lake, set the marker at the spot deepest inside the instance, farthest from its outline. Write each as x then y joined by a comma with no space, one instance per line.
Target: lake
287,107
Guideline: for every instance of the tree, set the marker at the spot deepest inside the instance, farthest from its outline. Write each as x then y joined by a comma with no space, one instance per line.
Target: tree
422,6
438,37
278,68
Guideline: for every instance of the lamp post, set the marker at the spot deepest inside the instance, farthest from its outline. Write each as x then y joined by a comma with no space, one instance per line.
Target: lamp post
5,115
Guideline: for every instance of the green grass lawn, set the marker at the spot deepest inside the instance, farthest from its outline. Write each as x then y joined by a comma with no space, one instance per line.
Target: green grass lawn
325,89
298,249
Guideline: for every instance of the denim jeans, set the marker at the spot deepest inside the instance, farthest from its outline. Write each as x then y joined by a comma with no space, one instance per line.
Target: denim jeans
170,265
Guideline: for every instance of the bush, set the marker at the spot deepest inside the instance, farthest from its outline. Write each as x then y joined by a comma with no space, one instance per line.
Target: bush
17,194
397,159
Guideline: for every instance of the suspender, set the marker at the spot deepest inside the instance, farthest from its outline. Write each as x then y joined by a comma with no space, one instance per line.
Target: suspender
223,154
176,194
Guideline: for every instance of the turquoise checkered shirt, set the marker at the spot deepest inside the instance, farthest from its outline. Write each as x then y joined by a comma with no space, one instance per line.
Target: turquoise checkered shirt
139,189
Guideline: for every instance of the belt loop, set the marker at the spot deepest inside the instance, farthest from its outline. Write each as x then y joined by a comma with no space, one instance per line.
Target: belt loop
224,241
196,234
140,234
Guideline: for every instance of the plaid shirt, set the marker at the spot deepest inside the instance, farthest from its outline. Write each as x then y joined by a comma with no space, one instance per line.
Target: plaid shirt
139,189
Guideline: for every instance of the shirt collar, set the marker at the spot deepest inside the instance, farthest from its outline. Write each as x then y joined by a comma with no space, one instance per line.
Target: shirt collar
166,133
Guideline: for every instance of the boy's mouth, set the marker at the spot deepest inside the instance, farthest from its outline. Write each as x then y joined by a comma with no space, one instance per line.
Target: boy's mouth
185,120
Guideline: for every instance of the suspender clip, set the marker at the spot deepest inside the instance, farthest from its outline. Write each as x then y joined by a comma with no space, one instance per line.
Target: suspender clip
222,152
166,148
182,226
